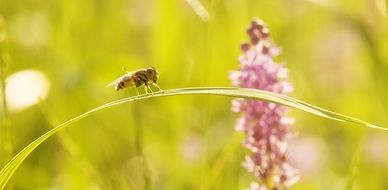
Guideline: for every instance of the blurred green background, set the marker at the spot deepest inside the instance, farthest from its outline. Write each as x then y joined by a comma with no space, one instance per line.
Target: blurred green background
336,51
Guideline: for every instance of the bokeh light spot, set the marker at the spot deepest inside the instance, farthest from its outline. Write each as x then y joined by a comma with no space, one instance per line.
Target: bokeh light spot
26,88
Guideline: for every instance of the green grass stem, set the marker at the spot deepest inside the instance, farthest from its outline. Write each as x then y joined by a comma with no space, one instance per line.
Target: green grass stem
10,168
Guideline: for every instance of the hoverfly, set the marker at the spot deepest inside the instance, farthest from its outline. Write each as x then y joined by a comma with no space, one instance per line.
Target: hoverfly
146,77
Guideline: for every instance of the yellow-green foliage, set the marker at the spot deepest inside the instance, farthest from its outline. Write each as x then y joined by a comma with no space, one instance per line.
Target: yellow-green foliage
336,52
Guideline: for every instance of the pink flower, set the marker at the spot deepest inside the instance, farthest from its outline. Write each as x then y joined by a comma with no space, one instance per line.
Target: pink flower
265,124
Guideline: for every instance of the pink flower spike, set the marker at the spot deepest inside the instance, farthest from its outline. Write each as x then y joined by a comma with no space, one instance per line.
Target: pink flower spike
266,126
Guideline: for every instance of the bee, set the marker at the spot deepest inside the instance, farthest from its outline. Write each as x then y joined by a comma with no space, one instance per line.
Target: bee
146,77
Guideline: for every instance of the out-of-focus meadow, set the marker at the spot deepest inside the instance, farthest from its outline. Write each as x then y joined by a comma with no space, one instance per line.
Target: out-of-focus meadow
336,51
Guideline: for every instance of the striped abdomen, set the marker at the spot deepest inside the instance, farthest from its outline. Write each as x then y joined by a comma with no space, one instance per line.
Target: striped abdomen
138,78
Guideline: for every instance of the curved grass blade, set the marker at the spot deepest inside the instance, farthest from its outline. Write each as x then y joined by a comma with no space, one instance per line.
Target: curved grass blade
10,168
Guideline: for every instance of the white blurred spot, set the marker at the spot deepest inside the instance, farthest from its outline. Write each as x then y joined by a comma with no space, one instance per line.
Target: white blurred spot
25,88
306,154
255,186
191,148
376,149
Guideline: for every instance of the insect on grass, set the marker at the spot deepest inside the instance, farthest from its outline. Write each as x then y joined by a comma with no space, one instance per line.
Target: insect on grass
146,77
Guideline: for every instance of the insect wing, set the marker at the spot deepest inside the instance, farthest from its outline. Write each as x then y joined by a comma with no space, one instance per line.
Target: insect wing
113,83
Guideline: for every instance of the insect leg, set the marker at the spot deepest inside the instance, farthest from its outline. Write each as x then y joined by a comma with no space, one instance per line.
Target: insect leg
149,88
137,91
158,87
145,88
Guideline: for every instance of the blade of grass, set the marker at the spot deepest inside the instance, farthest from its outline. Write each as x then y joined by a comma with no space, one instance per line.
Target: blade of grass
354,166
199,9
10,168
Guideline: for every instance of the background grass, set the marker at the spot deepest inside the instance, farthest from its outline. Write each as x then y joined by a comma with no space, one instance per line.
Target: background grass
336,52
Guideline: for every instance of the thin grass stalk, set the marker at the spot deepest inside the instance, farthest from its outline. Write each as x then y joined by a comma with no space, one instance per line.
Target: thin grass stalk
10,168
6,147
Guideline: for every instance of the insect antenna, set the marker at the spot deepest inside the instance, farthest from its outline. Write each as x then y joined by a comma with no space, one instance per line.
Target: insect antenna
125,69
